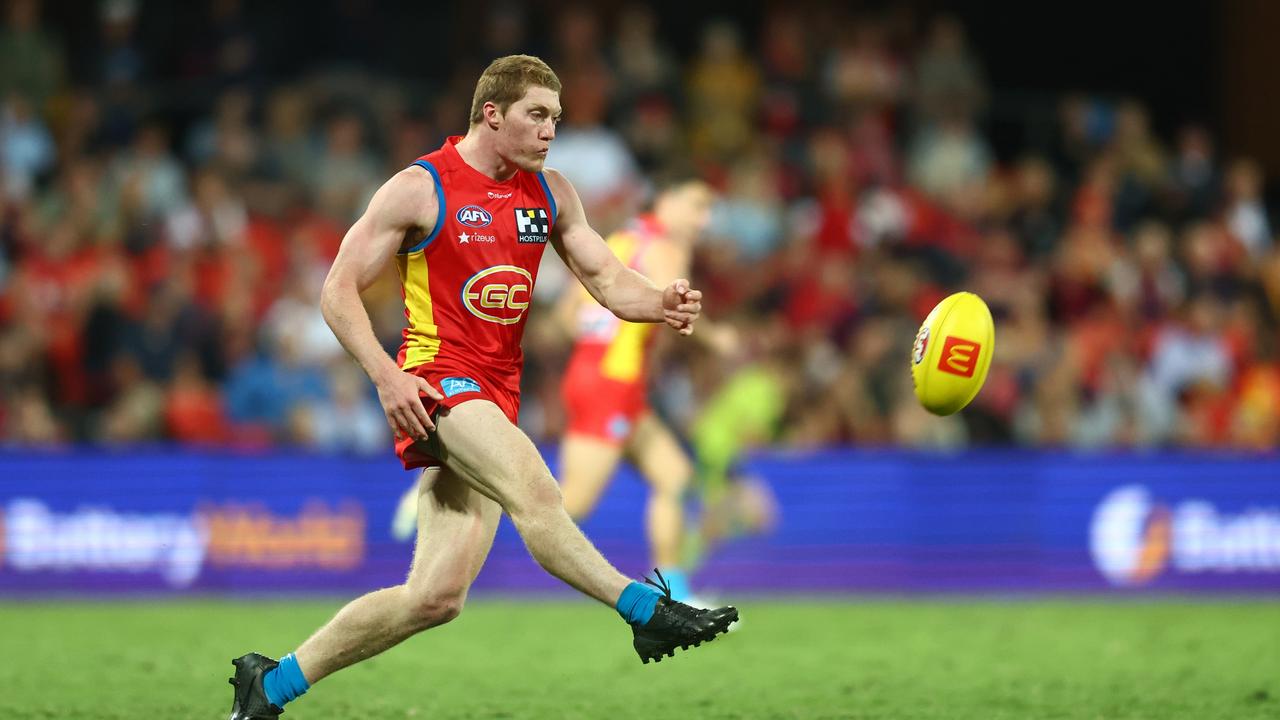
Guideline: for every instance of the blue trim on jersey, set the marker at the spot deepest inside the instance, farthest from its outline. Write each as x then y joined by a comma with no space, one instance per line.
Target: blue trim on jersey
440,214
550,198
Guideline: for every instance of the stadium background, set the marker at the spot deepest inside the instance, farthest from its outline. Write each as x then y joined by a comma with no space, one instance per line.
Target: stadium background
178,421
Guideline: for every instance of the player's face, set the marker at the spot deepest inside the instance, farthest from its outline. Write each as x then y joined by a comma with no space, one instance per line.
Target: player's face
686,210
529,127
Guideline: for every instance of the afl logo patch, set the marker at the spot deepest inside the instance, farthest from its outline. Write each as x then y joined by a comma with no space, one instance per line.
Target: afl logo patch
474,216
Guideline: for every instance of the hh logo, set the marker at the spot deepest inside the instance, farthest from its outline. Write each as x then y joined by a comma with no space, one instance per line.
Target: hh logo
474,216
959,356
499,294
532,225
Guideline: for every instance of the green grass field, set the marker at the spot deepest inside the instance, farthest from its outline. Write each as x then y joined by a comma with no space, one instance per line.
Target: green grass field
873,659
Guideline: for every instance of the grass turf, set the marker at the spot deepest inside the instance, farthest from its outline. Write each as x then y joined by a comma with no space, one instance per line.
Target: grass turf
861,659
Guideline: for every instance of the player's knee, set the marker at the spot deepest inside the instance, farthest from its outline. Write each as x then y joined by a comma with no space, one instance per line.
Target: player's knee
435,607
672,482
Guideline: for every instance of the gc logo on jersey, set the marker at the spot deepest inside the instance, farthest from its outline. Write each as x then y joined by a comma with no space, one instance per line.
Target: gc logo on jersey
474,216
499,294
532,225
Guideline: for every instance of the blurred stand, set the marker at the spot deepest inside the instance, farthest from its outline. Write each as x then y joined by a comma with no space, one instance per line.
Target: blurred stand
177,179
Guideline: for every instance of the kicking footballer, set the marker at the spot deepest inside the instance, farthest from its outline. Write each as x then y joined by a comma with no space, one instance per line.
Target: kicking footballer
605,388
466,226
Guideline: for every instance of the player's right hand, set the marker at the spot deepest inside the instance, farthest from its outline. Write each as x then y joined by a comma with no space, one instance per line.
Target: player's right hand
401,397
681,306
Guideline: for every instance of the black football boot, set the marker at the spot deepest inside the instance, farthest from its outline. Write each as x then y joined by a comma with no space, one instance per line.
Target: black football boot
676,625
251,701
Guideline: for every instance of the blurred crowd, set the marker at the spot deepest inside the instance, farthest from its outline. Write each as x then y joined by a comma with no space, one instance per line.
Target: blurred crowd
168,219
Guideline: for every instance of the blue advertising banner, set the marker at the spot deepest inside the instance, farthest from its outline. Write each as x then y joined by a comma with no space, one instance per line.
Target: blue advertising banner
167,522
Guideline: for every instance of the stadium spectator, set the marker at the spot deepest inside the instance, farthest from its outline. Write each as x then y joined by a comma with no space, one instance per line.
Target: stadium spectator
147,176
345,174
32,63
723,92
25,146
1246,217
948,84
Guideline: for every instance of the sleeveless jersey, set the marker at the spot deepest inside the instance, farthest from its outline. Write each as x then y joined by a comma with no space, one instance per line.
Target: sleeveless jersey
618,349
468,283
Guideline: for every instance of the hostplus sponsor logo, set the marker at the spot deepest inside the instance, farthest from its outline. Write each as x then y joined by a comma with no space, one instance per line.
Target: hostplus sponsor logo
532,225
1134,538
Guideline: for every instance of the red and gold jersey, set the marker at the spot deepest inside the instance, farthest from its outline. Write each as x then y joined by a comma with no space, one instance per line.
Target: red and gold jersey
468,284
618,350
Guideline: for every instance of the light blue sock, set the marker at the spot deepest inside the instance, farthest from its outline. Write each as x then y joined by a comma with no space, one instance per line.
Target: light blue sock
285,682
678,582
636,603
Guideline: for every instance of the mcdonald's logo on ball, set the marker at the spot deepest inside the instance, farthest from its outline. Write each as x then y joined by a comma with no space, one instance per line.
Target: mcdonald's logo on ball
959,356
952,353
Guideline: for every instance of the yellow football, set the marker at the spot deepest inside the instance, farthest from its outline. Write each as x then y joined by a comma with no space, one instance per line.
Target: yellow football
952,353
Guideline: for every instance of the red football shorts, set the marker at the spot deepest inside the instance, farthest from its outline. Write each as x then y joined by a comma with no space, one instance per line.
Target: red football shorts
599,406
457,386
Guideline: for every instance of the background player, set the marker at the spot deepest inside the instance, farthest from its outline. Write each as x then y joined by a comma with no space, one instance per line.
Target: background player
605,388
467,225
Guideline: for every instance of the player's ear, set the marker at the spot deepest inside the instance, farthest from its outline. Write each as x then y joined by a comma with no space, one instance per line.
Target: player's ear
492,115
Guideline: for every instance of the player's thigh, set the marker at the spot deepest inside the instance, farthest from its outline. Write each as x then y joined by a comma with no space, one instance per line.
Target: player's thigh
479,444
586,464
456,525
656,453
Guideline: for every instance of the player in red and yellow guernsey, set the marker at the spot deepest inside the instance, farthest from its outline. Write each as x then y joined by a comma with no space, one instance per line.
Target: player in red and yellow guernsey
466,226
605,389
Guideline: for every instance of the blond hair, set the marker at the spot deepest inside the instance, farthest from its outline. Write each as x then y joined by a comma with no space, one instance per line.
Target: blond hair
507,79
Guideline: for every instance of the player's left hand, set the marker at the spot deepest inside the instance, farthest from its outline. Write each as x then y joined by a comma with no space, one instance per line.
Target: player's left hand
681,306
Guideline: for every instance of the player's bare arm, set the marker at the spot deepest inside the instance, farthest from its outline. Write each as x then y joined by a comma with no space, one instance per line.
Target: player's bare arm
626,293
401,208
